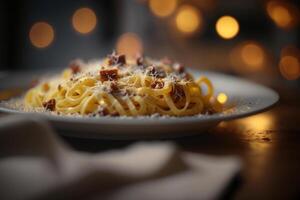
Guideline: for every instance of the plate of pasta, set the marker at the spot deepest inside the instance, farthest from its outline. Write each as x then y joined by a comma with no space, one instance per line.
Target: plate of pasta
120,98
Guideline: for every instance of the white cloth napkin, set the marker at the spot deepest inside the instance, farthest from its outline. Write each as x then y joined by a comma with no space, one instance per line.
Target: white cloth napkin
36,164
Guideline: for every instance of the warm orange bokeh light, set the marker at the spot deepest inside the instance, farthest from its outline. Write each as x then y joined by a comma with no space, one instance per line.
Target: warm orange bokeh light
222,98
188,19
252,55
162,8
129,44
248,57
289,67
227,27
41,34
283,14
84,20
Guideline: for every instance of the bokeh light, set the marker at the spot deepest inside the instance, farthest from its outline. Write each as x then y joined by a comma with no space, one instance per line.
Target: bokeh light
248,57
227,27
253,55
283,14
188,19
129,44
222,98
84,20
162,8
289,67
41,34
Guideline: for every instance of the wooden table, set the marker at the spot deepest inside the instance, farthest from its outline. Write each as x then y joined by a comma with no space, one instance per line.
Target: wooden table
268,145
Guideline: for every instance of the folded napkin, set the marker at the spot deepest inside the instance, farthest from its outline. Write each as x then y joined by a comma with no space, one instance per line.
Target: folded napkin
36,164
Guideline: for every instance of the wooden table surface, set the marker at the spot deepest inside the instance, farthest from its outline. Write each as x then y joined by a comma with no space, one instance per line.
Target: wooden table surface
267,143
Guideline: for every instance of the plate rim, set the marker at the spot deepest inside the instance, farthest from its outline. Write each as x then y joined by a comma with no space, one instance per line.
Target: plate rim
162,120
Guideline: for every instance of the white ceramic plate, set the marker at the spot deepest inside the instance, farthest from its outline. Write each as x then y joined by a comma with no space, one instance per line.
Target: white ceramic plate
249,98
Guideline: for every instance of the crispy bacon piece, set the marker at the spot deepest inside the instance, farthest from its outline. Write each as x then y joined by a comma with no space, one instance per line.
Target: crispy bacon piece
115,59
75,67
113,87
157,84
156,72
50,105
108,74
177,93
179,68
103,111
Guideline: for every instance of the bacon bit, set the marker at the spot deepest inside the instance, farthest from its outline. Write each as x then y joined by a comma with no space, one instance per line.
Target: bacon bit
157,84
178,68
103,111
187,76
45,87
156,72
177,93
59,87
114,87
75,67
166,61
115,59
109,74
50,105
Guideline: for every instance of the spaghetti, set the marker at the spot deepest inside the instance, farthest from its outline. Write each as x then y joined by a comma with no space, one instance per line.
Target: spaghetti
119,87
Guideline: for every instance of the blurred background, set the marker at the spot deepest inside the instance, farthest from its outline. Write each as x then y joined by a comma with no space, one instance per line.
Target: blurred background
257,39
